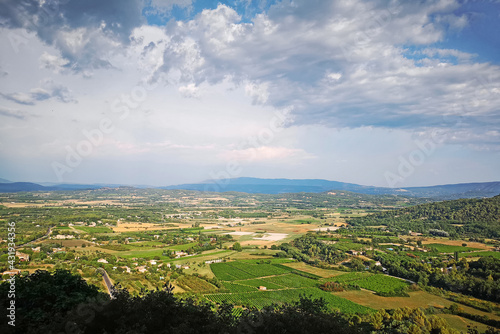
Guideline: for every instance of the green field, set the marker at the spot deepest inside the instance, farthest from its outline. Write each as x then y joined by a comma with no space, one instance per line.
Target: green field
375,282
283,285
240,270
96,229
195,284
145,252
292,281
481,254
256,282
449,248
259,299
237,287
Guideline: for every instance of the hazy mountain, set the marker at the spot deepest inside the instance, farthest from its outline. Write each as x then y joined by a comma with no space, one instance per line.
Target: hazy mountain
22,186
280,186
4,181
277,186
48,186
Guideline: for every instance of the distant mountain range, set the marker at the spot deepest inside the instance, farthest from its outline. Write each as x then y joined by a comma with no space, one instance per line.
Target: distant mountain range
278,186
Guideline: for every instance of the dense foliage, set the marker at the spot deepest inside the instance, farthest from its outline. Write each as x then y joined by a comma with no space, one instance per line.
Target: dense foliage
161,312
479,278
310,249
472,217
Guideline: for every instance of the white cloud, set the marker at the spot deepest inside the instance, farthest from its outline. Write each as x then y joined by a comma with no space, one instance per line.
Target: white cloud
283,55
7,112
52,62
189,91
48,90
340,67
258,92
334,76
266,153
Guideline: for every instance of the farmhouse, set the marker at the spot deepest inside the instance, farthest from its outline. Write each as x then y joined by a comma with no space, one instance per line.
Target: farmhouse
354,252
22,256
142,269
213,261
262,288
12,272
64,236
180,253
102,261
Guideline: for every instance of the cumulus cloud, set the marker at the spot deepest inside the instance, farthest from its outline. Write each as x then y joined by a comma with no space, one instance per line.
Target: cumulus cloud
258,92
85,32
338,63
189,91
48,90
6,112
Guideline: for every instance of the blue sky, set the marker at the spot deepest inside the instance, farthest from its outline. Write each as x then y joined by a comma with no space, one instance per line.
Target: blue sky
164,92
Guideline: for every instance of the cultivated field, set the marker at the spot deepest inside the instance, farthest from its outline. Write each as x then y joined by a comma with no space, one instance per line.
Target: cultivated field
259,283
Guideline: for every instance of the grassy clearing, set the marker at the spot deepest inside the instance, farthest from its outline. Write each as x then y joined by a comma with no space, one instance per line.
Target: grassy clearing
417,299
140,252
292,281
195,284
67,243
236,287
238,270
442,248
374,282
146,243
96,229
257,282
313,270
481,254
460,323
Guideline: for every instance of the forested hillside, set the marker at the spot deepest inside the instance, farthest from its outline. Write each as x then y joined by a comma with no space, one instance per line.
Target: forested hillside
474,217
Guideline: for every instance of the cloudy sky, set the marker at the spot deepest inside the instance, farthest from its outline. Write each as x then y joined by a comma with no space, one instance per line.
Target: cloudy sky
160,92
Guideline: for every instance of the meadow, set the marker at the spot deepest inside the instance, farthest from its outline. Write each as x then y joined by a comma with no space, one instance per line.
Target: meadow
481,254
442,248
379,283
95,229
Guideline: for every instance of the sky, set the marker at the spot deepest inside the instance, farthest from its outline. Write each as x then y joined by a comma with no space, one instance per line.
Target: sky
161,92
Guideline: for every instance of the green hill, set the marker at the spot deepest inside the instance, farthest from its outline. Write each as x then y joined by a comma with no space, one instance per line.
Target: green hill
472,217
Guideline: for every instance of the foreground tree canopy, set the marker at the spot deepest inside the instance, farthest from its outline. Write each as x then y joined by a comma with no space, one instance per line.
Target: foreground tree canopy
60,302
